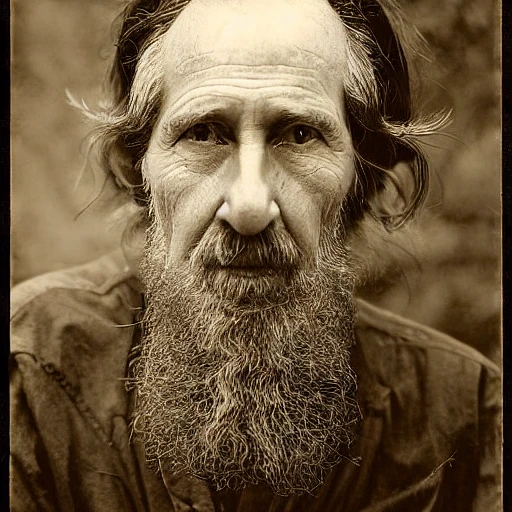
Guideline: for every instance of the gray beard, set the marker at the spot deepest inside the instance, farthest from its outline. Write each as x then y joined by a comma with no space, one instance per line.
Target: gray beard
247,379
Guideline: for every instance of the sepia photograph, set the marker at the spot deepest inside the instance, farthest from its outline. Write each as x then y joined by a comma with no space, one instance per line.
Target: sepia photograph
256,256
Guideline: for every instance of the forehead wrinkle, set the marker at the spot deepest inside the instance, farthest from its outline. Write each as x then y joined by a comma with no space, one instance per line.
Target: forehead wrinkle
313,54
194,103
225,86
223,89
182,66
233,72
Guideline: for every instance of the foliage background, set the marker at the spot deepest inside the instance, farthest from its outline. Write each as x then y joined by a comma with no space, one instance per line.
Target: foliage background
452,282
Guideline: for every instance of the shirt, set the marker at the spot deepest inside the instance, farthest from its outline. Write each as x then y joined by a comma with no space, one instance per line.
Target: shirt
430,438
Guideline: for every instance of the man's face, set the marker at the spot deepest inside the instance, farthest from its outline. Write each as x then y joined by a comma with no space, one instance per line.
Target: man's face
244,369
252,130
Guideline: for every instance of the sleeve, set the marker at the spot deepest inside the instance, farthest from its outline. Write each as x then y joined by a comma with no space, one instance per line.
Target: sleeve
31,483
488,493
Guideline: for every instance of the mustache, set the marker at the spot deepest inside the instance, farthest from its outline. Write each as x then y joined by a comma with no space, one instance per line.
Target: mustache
222,246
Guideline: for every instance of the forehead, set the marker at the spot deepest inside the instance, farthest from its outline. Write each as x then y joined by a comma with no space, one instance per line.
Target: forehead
302,34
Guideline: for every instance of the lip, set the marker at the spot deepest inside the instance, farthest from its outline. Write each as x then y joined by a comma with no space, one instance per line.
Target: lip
247,259
249,271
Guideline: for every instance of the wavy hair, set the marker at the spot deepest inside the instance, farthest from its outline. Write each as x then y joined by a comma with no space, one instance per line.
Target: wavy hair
379,104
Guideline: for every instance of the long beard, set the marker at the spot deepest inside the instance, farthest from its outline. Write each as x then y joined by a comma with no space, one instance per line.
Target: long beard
245,379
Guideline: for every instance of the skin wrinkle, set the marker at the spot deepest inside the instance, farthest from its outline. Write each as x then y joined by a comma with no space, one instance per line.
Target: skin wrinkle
225,68
174,104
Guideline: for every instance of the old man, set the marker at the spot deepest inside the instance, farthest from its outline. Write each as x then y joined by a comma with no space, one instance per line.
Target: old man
219,361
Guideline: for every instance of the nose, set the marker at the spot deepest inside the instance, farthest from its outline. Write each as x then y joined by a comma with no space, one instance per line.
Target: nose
248,204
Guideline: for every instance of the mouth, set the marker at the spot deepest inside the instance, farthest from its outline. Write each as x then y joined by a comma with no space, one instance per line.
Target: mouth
250,265
248,271
248,279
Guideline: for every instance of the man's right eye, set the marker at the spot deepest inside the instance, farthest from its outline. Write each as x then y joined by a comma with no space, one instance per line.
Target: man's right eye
209,133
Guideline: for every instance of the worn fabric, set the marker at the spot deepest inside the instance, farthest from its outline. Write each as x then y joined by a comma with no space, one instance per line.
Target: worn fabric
429,441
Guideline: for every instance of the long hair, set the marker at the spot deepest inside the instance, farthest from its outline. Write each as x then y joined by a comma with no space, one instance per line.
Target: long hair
384,127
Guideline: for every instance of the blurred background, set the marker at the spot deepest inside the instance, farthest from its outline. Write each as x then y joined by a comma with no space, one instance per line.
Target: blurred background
452,279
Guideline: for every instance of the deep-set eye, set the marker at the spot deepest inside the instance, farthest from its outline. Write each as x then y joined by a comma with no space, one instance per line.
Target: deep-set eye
204,132
300,134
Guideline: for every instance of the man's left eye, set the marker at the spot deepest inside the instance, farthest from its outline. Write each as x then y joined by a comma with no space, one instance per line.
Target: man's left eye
300,134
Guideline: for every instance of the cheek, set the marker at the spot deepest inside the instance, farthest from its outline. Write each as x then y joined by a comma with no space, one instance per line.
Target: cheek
185,197
168,180
312,189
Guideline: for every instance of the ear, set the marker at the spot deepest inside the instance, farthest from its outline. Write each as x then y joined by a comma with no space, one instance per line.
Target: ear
393,194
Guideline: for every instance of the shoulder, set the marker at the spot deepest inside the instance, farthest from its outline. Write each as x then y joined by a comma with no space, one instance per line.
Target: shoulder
71,333
415,365
100,277
383,330
51,308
